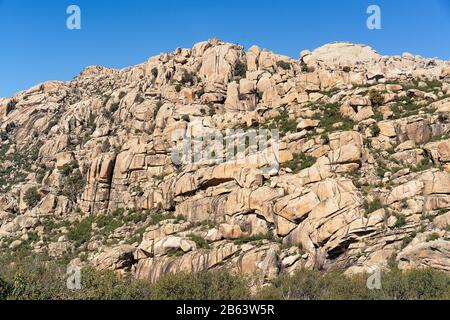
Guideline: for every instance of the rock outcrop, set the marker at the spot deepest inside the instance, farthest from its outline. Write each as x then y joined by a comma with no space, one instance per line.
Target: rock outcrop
350,167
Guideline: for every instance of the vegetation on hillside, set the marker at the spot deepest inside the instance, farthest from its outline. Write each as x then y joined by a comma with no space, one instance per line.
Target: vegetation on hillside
37,278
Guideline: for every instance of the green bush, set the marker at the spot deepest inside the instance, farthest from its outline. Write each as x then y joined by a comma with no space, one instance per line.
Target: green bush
346,69
74,185
315,285
81,231
373,206
157,217
269,236
155,72
240,69
376,98
424,284
423,165
36,277
187,78
284,65
301,161
114,107
32,197
401,220
199,241
67,169
5,289
283,123
432,237
396,285
201,286
331,115
375,130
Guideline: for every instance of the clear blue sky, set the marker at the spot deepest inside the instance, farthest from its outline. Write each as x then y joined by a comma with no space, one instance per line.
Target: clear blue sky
36,46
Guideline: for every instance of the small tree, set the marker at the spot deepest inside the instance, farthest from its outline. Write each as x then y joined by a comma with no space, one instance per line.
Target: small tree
284,65
32,197
155,72
376,98
240,70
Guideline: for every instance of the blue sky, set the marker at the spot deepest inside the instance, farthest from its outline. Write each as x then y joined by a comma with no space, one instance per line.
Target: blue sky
36,45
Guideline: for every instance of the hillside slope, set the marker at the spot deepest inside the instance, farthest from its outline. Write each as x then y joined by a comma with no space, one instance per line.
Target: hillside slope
360,176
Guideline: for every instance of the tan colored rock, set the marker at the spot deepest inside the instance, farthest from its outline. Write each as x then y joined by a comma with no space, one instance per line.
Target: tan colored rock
445,73
405,191
387,129
63,159
435,254
347,154
231,232
218,62
115,258
308,124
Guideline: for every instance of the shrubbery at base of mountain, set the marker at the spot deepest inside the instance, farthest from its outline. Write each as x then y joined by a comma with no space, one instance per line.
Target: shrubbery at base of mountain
39,279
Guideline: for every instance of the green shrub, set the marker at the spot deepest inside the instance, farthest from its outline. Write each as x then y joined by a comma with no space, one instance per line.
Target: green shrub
373,206
375,130
376,98
81,231
156,218
301,161
401,220
304,67
68,168
159,104
325,138
406,241
331,115
201,286
423,165
187,78
155,72
32,197
315,285
199,241
240,69
118,212
36,278
107,224
5,289
396,285
283,123
260,237
284,65
432,237
114,107
423,284
74,185
346,69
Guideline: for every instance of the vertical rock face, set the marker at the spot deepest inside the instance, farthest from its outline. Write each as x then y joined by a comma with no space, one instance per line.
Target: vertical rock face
96,196
356,174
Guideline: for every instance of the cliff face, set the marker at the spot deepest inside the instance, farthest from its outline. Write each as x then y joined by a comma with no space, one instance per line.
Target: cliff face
359,175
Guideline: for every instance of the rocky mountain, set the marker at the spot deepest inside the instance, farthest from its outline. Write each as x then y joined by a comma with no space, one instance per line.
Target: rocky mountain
361,175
